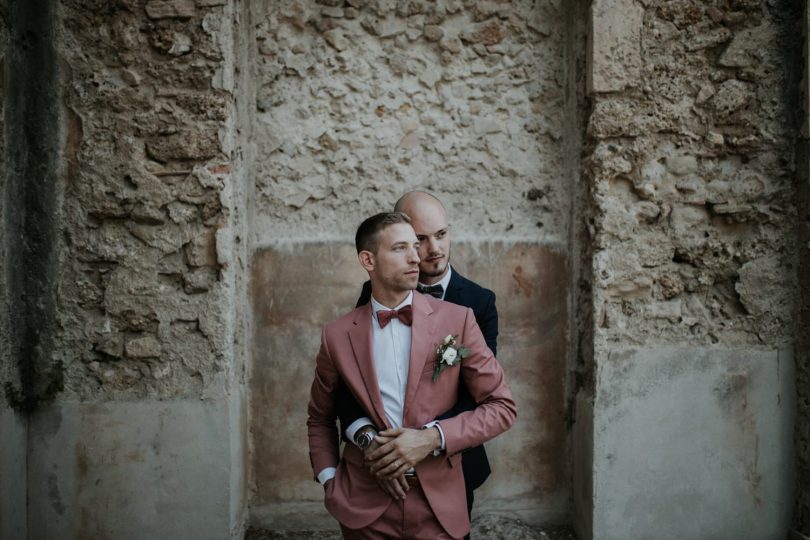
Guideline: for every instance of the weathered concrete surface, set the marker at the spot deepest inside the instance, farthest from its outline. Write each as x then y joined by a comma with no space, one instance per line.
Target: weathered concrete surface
13,451
582,453
693,443
298,288
134,470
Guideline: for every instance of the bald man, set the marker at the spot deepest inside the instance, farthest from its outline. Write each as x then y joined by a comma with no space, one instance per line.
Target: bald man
439,279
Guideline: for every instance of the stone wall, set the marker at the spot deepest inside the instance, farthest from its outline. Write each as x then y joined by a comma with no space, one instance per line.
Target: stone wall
360,101
690,159
147,204
151,276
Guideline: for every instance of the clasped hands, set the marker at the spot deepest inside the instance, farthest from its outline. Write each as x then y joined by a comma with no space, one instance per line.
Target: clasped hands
395,451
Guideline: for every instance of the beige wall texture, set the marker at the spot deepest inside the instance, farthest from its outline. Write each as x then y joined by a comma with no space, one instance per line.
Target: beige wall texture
322,281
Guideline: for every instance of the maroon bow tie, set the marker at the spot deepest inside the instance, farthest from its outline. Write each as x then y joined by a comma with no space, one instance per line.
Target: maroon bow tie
404,314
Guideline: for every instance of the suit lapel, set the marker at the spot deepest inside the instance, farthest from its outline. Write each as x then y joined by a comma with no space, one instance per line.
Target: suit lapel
360,338
454,287
422,343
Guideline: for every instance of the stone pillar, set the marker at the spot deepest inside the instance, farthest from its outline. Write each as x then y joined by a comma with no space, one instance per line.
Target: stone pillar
29,247
801,511
147,438
689,156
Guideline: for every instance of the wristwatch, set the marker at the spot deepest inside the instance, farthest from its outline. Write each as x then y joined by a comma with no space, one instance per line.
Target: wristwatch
365,436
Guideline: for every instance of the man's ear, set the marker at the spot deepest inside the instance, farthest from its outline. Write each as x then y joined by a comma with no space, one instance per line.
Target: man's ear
367,260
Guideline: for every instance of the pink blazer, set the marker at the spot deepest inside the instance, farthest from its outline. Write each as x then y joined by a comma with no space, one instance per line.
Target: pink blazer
354,498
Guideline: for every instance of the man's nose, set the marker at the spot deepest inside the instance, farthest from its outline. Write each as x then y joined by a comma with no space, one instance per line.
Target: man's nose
414,256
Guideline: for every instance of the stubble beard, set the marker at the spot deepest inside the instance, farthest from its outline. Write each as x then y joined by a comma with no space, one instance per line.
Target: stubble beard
436,269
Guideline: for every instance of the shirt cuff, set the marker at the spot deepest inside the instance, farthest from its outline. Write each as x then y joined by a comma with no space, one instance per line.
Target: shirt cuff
438,426
355,426
326,474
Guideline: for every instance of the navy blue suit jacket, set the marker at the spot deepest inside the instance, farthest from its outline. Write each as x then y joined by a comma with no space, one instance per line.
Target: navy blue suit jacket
463,292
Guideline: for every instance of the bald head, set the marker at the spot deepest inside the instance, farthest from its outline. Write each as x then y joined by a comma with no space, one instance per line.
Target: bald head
429,221
416,203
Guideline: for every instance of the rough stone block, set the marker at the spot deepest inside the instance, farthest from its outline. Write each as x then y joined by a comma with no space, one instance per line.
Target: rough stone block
170,9
202,249
143,347
299,288
692,443
433,32
614,57
184,146
111,344
199,280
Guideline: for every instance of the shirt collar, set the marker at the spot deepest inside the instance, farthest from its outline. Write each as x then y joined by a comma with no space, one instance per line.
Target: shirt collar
376,306
444,282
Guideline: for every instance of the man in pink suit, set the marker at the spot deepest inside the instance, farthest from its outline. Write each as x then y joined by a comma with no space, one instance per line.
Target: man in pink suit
385,353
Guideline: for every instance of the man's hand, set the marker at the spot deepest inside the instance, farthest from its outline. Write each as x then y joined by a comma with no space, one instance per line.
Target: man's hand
400,449
395,487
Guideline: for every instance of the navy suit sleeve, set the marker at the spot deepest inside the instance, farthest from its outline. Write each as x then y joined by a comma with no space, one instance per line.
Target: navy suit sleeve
487,320
346,407
365,295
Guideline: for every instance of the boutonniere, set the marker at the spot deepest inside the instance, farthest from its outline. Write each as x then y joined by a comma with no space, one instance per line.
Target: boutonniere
448,354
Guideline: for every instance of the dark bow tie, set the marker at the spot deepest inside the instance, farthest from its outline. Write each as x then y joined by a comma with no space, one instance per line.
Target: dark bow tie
404,314
432,290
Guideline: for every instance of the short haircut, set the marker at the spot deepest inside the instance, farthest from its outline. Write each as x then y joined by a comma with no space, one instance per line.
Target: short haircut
368,233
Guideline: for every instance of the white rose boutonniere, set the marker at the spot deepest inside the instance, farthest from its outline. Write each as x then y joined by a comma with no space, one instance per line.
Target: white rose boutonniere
449,354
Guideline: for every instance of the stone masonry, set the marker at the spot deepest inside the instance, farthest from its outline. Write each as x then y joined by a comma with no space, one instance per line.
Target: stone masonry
360,101
149,266
147,213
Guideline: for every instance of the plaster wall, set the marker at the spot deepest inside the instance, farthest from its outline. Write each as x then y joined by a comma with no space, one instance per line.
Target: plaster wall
13,461
530,477
146,469
693,443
